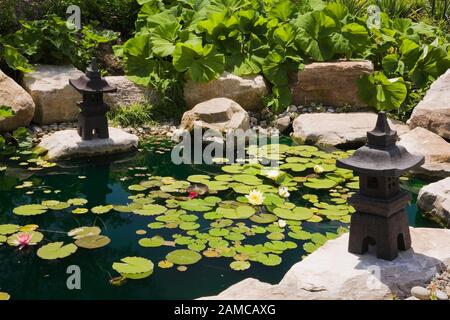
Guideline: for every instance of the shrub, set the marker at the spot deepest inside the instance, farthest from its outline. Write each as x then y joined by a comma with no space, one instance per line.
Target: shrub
50,41
202,38
136,115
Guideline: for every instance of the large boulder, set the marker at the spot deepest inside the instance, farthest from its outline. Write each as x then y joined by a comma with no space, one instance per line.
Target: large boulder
55,99
433,112
337,128
220,114
434,200
67,144
14,96
246,90
128,93
332,273
436,151
330,83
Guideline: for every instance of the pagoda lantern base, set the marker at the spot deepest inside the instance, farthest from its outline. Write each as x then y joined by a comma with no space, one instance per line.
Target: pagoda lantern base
388,233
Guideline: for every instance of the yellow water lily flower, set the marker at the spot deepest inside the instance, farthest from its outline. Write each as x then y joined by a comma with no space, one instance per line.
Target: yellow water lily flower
284,192
255,197
318,169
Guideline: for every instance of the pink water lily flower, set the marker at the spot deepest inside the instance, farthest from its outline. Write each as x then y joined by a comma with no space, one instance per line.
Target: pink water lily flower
23,240
193,195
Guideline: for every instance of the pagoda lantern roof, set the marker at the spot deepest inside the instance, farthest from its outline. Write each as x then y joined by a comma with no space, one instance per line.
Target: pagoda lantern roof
381,156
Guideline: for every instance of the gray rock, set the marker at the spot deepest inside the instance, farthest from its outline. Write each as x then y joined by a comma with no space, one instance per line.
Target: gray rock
421,293
128,93
331,272
247,91
337,128
434,148
14,96
282,124
221,114
330,83
441,295
55,99
67,144
434,200
433,112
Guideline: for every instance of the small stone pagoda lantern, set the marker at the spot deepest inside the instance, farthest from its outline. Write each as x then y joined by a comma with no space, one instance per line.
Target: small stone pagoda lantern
380,218
92,121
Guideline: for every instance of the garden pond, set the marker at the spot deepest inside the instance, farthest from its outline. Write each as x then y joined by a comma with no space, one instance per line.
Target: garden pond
140,227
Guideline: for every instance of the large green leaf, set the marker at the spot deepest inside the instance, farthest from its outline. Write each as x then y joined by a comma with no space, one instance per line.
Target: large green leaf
382,93
163,38
201,63
139,63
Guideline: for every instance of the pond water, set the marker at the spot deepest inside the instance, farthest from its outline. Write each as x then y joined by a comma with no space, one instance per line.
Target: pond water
26,276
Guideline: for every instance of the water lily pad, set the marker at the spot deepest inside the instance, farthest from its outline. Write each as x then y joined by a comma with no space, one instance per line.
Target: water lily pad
316,183
198,205
189,226
198,178
150,210
80,211
183,257
310,247
300,235
164,264
240,212
93,242
102,209
137,187
6,229
299,213
82,232
77,202
232,168
56,250
30,210
153,242
4,296
134,267
270,260
240,265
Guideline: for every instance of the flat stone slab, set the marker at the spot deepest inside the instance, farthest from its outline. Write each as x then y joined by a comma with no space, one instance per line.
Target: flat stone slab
338,128
67,144
332,273
435,149
434,200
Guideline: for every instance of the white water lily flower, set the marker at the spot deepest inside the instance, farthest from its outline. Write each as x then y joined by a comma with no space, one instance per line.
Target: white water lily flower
272,173
255,197
284,192
318,169
282,223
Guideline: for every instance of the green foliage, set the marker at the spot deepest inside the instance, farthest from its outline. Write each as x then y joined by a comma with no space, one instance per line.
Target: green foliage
135,115
116,15
202,38
51,41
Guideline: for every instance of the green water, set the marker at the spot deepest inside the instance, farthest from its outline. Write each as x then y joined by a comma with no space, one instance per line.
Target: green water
25,276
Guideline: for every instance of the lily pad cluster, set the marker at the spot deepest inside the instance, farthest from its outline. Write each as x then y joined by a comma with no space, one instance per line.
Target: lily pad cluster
250,213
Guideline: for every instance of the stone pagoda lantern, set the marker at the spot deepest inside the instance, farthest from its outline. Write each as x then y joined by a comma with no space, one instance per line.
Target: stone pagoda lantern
92,121
380,218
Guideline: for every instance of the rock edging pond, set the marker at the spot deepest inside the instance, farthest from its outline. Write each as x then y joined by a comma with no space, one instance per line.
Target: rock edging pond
332,273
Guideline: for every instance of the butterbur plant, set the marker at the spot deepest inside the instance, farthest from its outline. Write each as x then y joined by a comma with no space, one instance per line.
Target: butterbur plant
202,38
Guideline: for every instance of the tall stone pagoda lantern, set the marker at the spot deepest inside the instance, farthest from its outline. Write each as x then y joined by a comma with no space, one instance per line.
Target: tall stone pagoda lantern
92,121
380,218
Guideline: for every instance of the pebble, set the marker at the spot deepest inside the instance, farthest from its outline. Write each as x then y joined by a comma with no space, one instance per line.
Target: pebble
448,290
412,298
420,293
441,295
